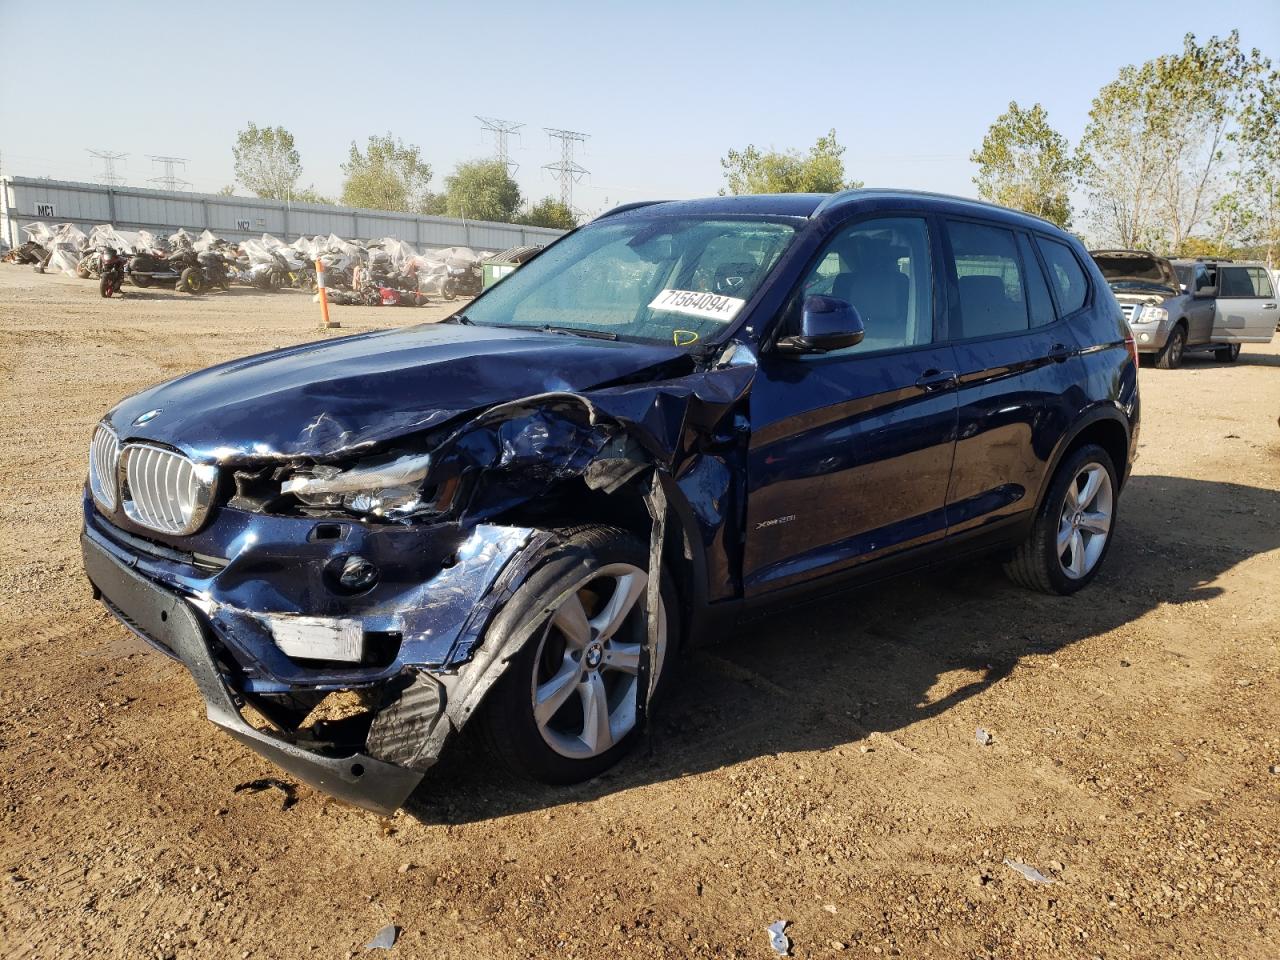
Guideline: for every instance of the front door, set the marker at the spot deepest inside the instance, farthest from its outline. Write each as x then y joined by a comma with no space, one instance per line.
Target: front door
1245,311
851,450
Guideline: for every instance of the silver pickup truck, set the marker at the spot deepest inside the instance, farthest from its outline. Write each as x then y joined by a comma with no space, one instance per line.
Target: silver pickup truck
1190,305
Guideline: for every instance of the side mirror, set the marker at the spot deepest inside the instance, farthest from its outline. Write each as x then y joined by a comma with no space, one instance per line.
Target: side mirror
826,324
1206,293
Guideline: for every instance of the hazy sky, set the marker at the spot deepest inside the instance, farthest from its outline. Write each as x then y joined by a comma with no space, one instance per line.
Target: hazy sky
662,88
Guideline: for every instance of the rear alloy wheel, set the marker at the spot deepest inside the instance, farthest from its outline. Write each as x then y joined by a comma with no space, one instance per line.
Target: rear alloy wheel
1170,358
1072,531
1227,354
565,710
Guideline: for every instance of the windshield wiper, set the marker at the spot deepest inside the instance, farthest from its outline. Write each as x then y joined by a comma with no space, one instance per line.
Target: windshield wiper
579,332
461,318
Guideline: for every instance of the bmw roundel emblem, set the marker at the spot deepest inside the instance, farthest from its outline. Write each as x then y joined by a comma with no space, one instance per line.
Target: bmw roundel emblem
146,417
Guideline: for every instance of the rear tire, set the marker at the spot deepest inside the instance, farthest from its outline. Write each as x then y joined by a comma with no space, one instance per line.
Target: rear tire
140,279
1227,354
1038,563
1170,358
561,747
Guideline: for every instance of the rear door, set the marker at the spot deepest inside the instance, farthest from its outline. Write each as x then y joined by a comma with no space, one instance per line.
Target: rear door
851,450
1017,359
1245,310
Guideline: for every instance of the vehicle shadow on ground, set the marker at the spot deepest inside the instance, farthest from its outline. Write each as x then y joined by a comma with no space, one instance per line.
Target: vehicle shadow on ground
837,671
1246,359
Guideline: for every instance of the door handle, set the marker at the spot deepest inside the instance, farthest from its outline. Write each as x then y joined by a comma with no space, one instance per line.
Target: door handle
932,381
1268,306
1060,352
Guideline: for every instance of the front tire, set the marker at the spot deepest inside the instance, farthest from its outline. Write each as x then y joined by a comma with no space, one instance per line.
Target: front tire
1072,531
140,279
106,287
1227,354
191,280
1170,358
564,711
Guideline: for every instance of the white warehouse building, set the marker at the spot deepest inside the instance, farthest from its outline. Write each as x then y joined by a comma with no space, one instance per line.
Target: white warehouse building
28,199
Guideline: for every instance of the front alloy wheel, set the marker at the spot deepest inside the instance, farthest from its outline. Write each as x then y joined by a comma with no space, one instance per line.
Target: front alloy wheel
1170,358
588,661
565,709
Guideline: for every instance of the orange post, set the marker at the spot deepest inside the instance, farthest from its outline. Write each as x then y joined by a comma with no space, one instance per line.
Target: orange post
324,297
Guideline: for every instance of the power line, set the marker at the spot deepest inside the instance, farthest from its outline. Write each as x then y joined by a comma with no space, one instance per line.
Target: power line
501,130
108,176
566,170
170,180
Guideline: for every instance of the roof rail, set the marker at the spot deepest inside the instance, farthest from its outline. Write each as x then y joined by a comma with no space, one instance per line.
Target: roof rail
832,200
842,195
628,206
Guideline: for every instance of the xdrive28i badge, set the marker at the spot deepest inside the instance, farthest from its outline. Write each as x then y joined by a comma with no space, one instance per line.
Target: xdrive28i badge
145,417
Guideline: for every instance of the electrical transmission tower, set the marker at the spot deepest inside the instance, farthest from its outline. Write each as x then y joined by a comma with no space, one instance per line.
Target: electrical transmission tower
501,130
170,180
109,175
566,170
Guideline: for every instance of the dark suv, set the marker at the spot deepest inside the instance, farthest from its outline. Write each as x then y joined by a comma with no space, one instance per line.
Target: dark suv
671,416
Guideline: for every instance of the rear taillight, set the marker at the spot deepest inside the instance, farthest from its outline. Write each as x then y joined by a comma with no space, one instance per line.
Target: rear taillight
1131,344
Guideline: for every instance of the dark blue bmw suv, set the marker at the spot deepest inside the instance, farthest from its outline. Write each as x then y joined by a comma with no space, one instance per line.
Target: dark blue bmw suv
671,416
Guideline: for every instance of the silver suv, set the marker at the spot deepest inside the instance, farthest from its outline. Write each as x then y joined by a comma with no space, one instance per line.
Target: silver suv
1176,307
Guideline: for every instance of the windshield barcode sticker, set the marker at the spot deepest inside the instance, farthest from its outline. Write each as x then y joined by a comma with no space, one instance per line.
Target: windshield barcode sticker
696,304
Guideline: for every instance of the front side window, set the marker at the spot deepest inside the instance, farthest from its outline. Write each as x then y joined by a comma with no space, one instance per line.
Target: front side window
884,269
992,299
677,280
1065,274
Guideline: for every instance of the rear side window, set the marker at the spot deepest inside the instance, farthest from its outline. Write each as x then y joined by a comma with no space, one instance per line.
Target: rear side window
1038,298
1065,273
1245,282
992,298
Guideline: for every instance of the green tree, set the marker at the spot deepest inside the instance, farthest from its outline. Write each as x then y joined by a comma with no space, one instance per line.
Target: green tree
482,190
1250,213
549,212
388,175
266,161
773,171
1153,156
1025,164
310,195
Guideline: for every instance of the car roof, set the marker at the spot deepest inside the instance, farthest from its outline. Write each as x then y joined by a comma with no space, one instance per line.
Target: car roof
812,205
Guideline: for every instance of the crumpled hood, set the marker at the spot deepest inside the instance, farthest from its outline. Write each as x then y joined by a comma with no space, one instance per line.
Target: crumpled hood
323,399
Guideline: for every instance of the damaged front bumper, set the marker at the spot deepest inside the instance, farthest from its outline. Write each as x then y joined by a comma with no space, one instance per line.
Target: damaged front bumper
435,609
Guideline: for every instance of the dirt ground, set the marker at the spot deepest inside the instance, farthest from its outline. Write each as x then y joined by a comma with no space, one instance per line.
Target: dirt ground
820,767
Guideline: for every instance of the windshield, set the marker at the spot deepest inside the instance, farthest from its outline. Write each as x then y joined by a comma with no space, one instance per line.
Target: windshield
1144,271
675,280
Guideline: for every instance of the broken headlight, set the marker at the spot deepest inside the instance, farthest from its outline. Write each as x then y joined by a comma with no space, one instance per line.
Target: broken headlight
387,487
